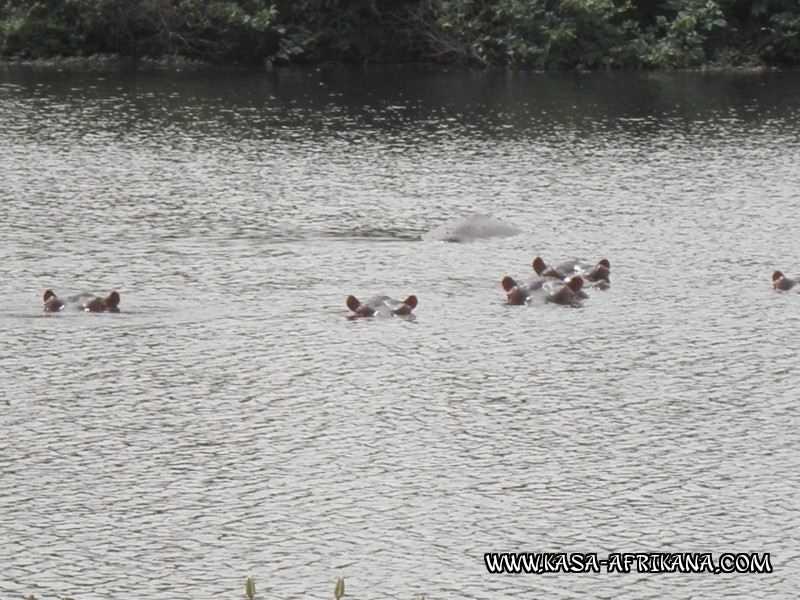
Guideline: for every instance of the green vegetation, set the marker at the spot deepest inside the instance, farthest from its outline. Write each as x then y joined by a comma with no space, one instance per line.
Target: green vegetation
250,587
338,588
539,34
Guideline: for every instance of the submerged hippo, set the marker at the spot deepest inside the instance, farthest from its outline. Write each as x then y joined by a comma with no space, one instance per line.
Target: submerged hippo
84,302
381,306
567,292
782,283
599,275
469,229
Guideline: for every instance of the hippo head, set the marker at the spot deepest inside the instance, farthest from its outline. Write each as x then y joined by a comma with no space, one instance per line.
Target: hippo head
601,272
781,282
51,302
381,306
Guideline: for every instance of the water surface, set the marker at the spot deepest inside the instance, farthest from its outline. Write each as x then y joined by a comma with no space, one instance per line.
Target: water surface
232,421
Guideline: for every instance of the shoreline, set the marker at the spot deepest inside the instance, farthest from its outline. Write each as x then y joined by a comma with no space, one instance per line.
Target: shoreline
178,63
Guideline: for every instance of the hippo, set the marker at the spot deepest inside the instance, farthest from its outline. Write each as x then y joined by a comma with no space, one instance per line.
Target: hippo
567,292
782,283
108,304
52,303
84,302
469,229
381,306
598,276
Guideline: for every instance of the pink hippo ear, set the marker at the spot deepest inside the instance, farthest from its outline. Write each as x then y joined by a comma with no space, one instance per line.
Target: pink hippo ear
508,283
406,307
353,303
539,266
47,295
575,284
775,276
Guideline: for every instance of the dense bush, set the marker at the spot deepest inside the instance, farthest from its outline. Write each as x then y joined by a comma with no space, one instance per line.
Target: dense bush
683,35
541,34
342,30
776,25
527,33
215,31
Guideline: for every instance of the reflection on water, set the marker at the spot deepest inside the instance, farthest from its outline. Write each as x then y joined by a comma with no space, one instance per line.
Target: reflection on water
232,420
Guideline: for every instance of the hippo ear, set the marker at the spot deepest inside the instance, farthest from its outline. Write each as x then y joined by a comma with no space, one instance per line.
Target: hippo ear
411,301
353,303
605,263
47,295
575,284
538,265
508,283
775,276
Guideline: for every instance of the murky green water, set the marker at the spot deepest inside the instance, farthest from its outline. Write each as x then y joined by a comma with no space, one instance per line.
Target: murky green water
232,421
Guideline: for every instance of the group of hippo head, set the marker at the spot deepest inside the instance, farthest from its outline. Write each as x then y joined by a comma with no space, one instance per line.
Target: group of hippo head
560,285
83,302
565,284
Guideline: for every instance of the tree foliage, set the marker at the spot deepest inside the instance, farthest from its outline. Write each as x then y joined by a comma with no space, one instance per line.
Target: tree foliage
541,34
214,31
